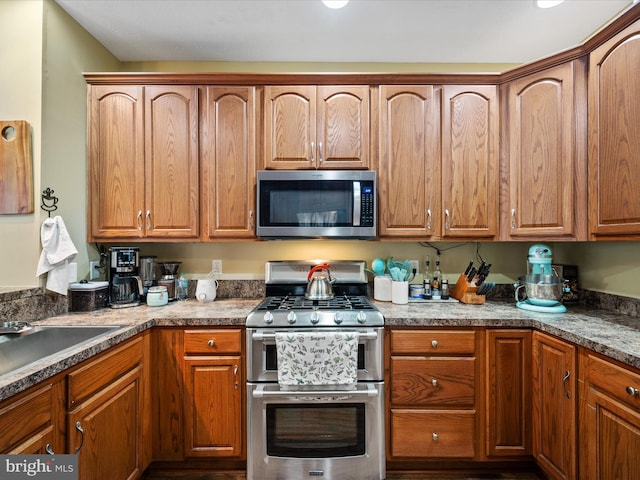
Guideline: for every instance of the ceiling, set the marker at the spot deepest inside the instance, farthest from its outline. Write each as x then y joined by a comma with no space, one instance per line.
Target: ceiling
388,31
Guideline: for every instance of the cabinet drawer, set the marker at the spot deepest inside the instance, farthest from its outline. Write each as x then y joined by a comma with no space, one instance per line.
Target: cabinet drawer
445,381
422,433
618,382
212,342
94,376
433,342
26,418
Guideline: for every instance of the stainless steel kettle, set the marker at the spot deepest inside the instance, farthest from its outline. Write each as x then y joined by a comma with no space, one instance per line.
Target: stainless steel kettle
320,283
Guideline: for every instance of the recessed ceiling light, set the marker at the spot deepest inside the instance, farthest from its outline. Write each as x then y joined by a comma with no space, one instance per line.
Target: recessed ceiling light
548,3
335,3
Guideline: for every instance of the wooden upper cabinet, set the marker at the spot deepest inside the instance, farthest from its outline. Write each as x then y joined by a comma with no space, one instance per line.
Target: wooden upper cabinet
469,161
143,162
614,137
545,168
171,161
310,127
116,162
228,162
409,162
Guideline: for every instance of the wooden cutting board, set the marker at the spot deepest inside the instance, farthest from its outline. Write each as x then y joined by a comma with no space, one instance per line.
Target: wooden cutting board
16,167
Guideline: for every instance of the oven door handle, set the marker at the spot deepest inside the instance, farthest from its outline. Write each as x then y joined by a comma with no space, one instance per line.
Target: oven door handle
260,392
260,336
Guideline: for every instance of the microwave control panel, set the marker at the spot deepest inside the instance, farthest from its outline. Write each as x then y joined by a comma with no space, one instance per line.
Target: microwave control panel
367,202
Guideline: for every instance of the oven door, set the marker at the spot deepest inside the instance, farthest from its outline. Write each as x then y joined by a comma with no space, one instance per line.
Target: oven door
331,435
262,361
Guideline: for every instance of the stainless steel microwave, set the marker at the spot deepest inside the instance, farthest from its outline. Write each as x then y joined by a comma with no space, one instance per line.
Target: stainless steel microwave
316,204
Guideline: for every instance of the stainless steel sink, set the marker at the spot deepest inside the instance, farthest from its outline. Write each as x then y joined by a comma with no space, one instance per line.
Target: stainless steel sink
33,345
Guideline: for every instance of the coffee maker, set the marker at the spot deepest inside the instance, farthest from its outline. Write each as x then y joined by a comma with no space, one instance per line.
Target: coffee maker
125,283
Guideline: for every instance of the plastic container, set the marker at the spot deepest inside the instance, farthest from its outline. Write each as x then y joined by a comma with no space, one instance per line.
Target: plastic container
182,287
88,296
157,296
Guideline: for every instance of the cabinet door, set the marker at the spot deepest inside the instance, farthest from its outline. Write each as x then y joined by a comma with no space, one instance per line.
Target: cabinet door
409,165
614,136
508,393
547,192
228,162
554,406
343,127
213,406
290,127
106,431
171,162
116,162
469,161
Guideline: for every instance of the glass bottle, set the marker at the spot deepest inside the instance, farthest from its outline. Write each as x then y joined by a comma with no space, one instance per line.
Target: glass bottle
427,279
435,280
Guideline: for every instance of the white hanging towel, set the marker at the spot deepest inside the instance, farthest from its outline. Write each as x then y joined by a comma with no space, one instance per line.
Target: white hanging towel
317,358
57,251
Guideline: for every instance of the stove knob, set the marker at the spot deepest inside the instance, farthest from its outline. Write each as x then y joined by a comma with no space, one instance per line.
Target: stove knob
315,318
268,318
291,317
362,317
338,318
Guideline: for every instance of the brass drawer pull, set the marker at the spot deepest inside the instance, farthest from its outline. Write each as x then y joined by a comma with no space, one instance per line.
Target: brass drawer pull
434,435
211,342
434,382
632,391
434,343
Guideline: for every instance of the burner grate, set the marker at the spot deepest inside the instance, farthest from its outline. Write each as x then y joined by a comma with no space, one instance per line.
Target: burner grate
287,302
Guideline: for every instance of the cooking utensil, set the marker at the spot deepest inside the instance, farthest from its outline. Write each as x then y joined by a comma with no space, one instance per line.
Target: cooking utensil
320,283
378,266
16,167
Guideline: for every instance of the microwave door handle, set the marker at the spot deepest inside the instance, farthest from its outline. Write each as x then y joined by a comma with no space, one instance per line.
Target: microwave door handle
357,204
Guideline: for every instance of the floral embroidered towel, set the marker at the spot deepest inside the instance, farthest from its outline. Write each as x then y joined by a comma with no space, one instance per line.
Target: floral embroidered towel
311,359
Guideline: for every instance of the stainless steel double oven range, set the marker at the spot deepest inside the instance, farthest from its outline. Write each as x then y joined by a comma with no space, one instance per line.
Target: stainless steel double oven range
327,432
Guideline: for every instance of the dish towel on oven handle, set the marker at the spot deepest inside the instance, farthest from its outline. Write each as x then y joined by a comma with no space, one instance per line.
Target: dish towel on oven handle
311,359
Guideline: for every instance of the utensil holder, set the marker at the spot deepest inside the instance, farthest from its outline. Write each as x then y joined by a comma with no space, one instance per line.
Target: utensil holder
465,292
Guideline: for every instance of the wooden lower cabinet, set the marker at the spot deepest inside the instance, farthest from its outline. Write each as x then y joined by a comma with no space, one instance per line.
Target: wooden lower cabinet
433,395
213,393
554,406
508,400
29,423
107,422
609,420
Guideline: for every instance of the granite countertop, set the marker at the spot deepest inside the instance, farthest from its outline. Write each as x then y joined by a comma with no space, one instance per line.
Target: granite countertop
603,331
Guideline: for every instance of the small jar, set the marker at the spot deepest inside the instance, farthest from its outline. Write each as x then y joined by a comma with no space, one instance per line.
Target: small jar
427,290
416,291
444,290
157,296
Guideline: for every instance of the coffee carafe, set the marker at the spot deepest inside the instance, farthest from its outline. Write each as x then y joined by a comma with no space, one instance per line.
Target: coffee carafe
148,272
125,283
169,272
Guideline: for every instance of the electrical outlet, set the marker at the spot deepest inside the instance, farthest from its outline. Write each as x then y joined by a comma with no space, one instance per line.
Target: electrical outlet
216,267
416,265
93,270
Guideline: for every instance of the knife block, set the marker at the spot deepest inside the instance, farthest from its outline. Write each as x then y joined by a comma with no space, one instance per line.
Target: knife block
465,292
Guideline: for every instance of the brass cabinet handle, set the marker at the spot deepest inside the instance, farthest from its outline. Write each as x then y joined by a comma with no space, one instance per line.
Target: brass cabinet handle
434,343
434,382
313,148
139,219
250,219
428,219
446,219
148,219
81,430
434,435
211,342
564,383
49,449
632,391
513,219
320,156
